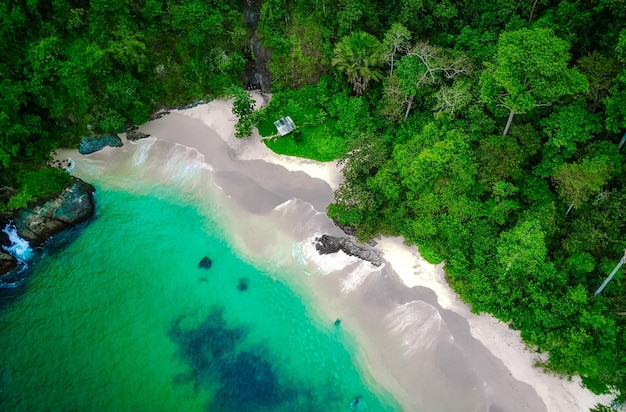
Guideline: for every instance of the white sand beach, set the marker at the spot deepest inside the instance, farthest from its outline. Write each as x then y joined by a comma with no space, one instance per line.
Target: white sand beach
416,337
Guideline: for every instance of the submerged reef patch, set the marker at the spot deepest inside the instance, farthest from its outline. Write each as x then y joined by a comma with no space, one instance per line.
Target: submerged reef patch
246,377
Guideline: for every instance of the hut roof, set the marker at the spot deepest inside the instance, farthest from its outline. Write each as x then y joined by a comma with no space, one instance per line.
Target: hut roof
284,125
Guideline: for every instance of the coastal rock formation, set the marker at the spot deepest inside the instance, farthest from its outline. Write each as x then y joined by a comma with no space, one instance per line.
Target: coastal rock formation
93,144
332,244
72,206
134,135
7,262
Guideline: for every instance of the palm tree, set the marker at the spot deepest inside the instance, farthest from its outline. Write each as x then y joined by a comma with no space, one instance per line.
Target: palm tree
359,55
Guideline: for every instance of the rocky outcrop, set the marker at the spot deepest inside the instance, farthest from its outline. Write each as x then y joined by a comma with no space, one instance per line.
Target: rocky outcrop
332,244
134,135
93,144
257,75
71,207
7,262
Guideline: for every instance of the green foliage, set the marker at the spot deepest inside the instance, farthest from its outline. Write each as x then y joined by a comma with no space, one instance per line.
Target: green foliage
317,143
530,68
243,107
319,139
420,152
70,69
577,182
301,59
358,56
39,184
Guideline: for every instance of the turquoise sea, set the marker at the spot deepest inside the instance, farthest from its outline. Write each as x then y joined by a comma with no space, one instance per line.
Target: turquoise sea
122,319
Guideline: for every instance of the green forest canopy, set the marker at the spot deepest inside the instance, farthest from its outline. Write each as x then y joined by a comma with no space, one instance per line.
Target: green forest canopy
488,133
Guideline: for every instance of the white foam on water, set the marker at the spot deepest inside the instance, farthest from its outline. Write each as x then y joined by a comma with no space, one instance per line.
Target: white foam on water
140,155
19,248
304,213
418,324
184,164
358,274
313,262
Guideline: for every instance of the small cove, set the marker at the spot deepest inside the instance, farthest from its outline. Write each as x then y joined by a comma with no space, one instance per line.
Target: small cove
123,319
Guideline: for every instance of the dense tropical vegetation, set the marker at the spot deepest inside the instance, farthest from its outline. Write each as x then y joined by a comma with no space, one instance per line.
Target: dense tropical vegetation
489,133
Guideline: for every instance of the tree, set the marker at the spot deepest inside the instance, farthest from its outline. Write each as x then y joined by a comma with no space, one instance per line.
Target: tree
243,107
600,72
451,99
425,66
358,56
522,249
608,279
567,128
577,182
529,70
615,103
396,40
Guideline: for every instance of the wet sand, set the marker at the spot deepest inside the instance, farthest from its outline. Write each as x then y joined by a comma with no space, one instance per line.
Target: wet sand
416,337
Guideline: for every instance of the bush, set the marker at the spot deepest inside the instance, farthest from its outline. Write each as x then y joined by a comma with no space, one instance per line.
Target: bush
40,184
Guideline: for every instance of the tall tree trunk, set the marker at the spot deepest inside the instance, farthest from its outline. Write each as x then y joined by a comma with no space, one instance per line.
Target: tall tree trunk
621,143
508,123
408,109
568,209
532,11
608,279
391,69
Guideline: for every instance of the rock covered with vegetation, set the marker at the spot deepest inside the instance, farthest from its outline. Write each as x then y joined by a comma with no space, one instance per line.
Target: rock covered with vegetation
37,223
47,202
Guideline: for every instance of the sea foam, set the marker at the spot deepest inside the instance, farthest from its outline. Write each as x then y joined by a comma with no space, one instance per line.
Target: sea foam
19,248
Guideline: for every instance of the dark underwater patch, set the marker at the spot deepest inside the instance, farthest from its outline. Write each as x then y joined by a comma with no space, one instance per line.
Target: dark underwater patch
247,379
243,284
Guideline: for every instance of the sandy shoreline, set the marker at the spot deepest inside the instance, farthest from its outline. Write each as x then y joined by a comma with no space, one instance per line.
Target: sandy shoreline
418,339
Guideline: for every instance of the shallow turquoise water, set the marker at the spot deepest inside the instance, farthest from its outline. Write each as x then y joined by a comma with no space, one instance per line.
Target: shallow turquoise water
122,319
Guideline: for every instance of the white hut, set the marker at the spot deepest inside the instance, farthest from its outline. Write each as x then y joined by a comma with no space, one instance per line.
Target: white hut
284,125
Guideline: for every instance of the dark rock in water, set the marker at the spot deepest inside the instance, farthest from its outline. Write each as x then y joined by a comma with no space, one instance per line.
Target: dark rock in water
4,238
7,262
75,204
205,263
337,322
134,135
93,144
327,244
358,404
243,284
